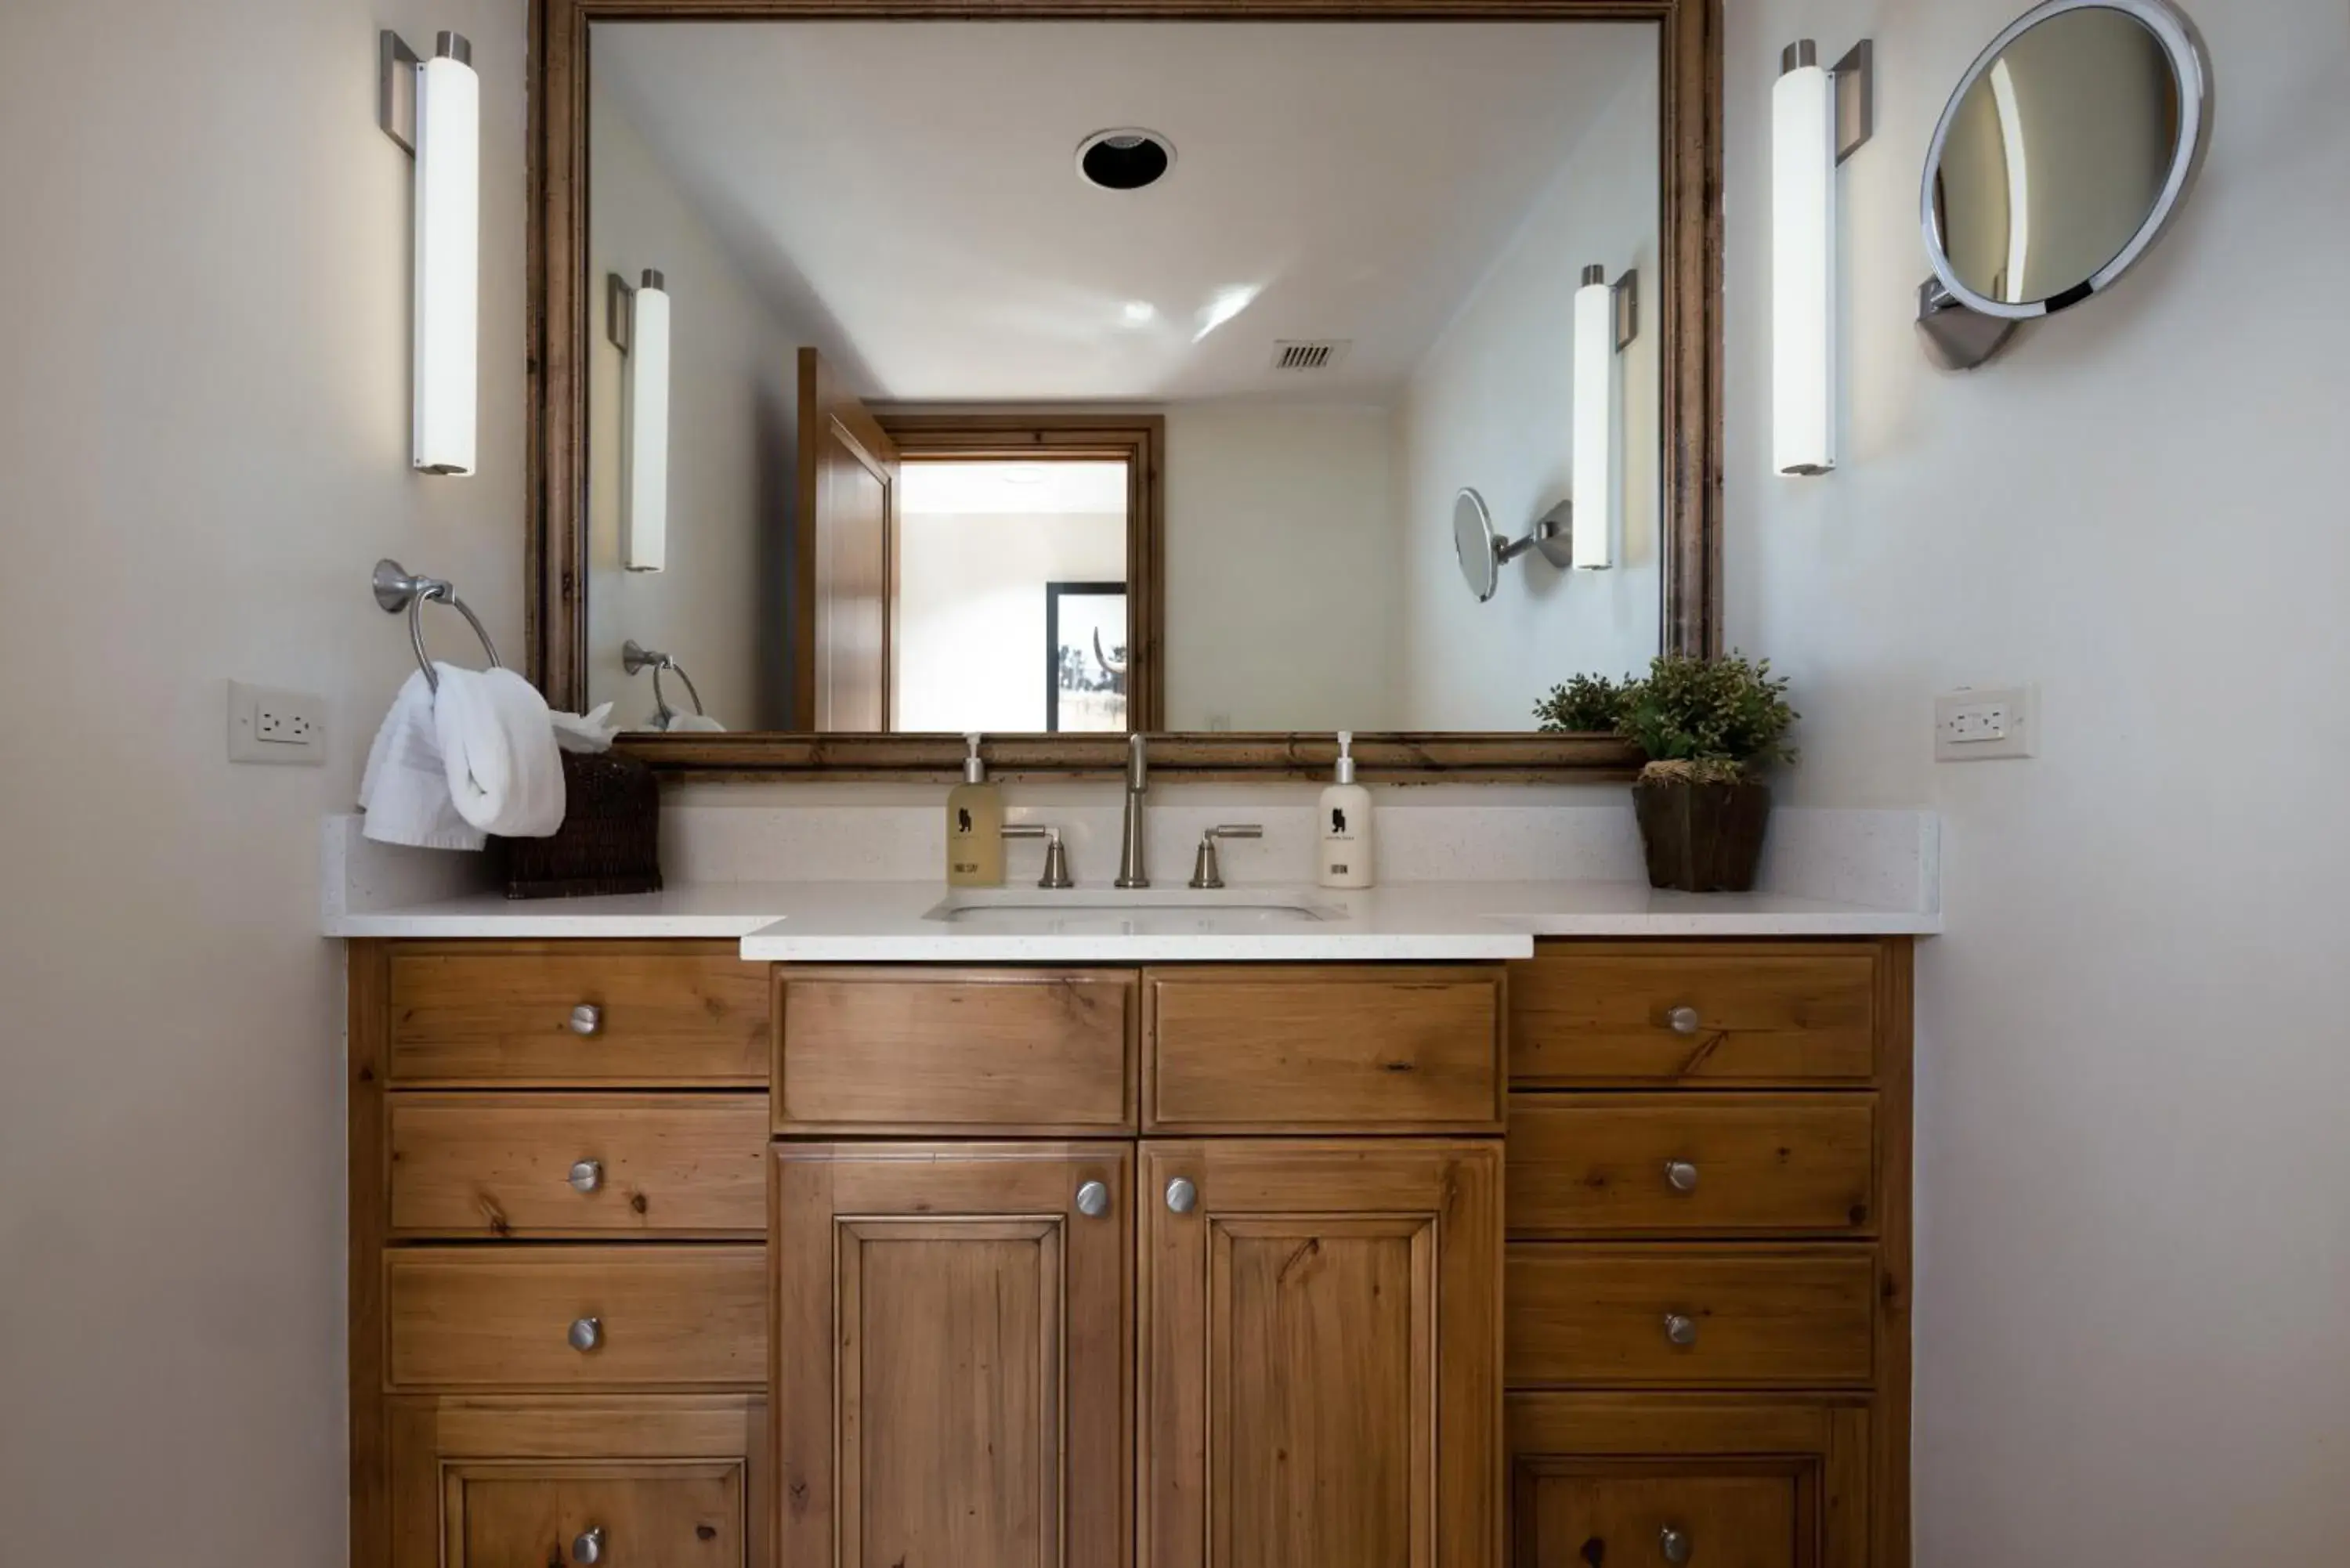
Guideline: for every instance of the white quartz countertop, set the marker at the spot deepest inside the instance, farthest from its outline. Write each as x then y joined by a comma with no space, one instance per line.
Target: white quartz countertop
893,922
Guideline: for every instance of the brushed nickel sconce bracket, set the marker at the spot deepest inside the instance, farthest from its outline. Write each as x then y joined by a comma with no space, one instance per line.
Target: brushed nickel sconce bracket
620,305
1626,292
395,82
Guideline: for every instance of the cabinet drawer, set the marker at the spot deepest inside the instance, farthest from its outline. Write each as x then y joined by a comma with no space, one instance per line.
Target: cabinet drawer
941,1051
578,1165
1753,1317
1584,1165
631,1015
501,1318
1724,1515
1369,1047
675,1516
1709,1016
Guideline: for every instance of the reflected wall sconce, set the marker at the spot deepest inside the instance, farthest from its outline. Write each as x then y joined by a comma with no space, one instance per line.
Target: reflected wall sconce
432,108
1606,320
636,321
1819,118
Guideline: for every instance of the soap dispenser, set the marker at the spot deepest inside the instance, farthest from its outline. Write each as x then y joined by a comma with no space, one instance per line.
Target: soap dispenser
975,826
1343,836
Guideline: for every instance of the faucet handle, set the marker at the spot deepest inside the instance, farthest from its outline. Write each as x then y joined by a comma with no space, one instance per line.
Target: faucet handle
1057,858
1207,872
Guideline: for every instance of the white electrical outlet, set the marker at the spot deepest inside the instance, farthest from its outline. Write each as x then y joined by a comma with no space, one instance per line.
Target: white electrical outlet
268,725
1986,724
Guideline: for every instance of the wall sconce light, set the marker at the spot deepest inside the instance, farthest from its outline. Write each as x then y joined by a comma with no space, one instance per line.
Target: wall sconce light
1818,118
636,321
1606,320
433,109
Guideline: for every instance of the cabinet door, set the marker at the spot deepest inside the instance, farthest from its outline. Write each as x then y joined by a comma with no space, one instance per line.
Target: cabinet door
1315,1316
952,1362
1711,1481
640,1481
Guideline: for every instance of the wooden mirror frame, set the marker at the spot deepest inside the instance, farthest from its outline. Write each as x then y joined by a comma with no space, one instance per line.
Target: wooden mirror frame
1687,312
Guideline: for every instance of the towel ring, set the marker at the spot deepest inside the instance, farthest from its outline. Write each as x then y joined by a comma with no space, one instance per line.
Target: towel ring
635,657
396,590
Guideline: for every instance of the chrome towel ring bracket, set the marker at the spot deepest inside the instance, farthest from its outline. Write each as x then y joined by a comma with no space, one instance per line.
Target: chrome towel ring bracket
636,658
396,590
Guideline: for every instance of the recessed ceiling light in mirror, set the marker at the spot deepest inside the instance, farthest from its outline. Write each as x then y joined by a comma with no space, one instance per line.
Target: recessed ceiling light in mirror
1124,159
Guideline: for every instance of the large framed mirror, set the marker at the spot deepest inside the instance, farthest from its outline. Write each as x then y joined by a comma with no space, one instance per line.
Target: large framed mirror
1084,369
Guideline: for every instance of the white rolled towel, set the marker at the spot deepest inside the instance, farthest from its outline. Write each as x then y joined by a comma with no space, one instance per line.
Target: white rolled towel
405,789
703,721
505,769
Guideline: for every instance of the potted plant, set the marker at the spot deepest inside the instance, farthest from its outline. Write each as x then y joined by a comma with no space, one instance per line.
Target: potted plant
1707,728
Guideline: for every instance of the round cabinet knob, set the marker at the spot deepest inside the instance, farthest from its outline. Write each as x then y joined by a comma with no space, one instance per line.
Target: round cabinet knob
1681,1176
1684,1020
1680,1328
1093,1199
587,1546
1674,1544
1182,1195
587,1333
587,1176
586,1019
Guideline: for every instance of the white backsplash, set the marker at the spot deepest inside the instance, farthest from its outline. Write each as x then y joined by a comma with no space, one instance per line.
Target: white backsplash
1445,833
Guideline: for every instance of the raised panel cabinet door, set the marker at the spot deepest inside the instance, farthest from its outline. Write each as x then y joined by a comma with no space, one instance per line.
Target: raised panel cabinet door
537,1516
952,1367
1321,1335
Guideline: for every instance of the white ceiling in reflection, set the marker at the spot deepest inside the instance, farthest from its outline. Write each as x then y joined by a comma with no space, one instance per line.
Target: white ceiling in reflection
908,192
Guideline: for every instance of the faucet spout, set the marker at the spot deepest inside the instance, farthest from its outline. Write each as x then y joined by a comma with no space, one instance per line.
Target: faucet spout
1133,868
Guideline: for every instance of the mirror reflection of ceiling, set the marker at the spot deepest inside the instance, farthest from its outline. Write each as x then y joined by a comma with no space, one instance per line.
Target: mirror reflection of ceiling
914,188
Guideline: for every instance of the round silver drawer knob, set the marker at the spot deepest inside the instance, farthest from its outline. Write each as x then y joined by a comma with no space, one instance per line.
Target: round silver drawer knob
587,1333
1674,1544
1680,1328
587,1546
1182,1195
587,1175
586,1019
1681,1176
1684,1020
1093,1199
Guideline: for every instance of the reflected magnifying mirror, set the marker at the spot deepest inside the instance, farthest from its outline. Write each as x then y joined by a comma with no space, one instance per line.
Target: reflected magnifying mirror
1483,551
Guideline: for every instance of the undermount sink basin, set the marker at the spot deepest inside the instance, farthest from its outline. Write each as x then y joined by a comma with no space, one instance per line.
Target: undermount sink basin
1137,909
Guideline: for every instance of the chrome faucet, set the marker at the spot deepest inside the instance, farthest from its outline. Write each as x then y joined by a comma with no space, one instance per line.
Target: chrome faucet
1133,868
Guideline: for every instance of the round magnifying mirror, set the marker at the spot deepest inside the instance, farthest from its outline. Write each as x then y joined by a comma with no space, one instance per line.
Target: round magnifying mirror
1478,548
2065,152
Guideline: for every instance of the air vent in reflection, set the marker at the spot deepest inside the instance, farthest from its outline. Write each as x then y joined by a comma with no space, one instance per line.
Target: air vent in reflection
1310,353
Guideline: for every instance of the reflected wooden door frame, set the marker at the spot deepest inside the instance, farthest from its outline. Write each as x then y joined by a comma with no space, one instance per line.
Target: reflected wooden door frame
1139,440
1689,316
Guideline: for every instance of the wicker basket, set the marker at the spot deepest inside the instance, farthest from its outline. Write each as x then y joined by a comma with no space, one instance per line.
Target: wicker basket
610,841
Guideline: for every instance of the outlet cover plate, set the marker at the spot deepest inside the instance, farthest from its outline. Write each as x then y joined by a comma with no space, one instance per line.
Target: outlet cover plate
267,724
1986,724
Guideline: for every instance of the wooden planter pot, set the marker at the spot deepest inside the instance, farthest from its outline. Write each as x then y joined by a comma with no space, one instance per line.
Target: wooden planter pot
1702,837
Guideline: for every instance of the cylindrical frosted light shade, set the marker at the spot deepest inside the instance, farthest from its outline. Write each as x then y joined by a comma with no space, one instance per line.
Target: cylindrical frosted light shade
448,261
647,547
1598,473
1802,271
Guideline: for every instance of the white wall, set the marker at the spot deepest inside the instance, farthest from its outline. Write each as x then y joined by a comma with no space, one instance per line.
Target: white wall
203,434
2133,1328
971,604
1491,408
734,452
1281,578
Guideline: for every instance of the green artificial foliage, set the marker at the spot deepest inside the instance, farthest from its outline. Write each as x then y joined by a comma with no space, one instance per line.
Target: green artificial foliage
1713,720
1586,704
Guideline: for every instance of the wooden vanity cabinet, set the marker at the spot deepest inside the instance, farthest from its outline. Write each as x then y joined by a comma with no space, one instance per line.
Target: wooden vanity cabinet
1707,1296
662,1258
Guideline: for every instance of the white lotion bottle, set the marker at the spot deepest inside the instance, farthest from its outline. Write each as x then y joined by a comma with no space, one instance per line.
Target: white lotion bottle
1343,835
